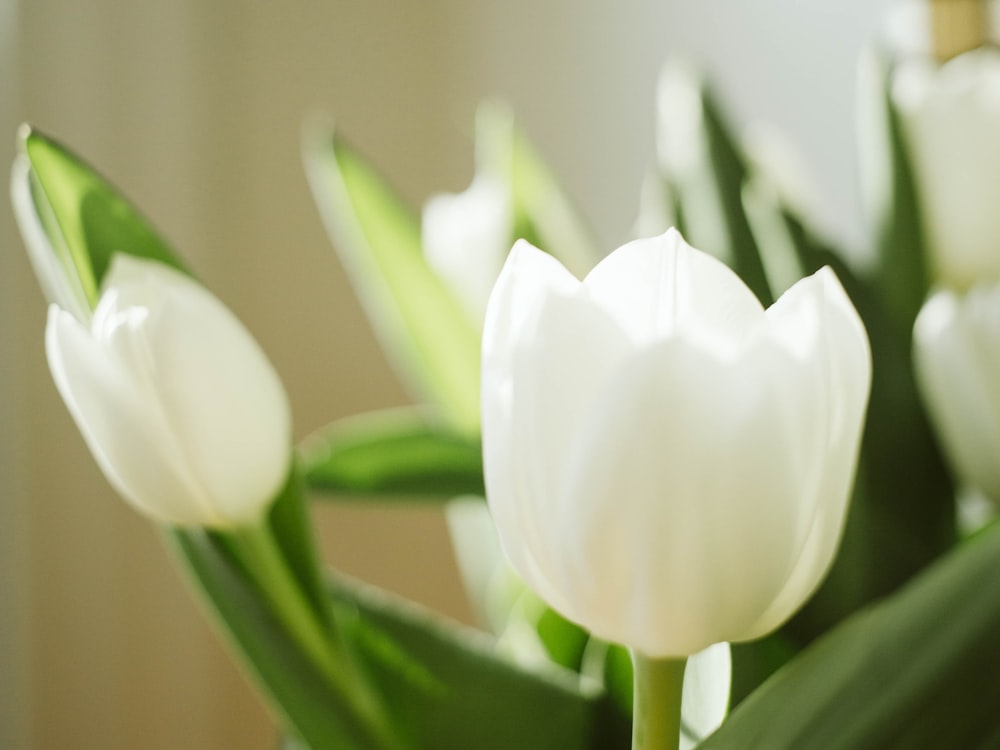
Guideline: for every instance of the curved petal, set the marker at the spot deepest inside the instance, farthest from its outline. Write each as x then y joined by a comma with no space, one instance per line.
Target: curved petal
705,701
525,280
951,113
661,287
683,504
841,376
222,401
113,416
957,357
465,237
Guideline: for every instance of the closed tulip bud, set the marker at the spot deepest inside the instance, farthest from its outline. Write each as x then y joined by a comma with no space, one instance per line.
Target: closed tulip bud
950,115
466,237
957,356
181,409
667,463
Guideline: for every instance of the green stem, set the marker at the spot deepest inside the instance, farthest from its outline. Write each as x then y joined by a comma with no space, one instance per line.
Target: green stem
656,708
260,552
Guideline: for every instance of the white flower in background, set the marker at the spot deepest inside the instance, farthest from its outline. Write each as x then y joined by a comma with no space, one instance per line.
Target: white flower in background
957,355
466,237
667,463
181,409
951,120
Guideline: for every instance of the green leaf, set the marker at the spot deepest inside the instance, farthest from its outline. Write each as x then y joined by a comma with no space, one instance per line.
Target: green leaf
917,671
544,214
83,218
400,453
899,242
902,514
709,196
453,691
74,222
306,702
421,323
729,170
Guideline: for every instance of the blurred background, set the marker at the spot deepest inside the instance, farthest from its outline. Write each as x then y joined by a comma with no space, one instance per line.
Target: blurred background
193,109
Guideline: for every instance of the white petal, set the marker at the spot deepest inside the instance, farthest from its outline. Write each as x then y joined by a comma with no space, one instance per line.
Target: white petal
58,286
707,681
841,379
957,356
683,504
113,416
465,239
223,402
662,286
951,114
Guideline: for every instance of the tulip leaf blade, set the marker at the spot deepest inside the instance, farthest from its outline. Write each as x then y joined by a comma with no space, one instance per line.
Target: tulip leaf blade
916,670
543,212
85,219
306,702
729,171
419,320
394,453
453,691
902,513
900,244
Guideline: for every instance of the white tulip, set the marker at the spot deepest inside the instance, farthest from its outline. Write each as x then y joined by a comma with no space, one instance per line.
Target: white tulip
668,464
181,409
466,237
950,115
957,356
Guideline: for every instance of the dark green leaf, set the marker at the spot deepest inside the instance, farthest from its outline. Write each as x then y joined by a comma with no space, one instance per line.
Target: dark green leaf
421,323
917,671
729,172
901,248
401,452
453,692
84,218
84,221
304,699
543,213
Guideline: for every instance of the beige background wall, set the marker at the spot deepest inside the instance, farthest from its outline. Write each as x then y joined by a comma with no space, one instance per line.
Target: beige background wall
193,108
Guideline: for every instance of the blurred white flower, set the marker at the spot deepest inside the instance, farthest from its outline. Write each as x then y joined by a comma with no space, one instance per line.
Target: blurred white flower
466,237
668,464
950,115
957,356
181,409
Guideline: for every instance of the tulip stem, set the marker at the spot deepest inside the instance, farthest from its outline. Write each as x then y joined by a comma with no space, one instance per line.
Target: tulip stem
656,707
263,557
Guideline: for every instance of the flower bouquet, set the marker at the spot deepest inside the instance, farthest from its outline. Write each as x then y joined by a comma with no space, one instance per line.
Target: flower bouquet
696,495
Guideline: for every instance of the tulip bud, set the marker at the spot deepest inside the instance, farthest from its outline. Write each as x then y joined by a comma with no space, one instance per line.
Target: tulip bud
180,407
950,115
669,465
466,237
957,356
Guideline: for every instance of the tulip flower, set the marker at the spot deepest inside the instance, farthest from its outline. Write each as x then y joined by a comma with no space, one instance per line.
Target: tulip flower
667,463
950,115
466,237
956,344
181,409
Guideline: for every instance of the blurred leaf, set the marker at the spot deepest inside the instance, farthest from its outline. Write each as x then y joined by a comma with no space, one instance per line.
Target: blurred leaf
917,671
421,323
729,170
82,222
400,452
453,692
543,212
899,241
297,689
902,514
83,217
